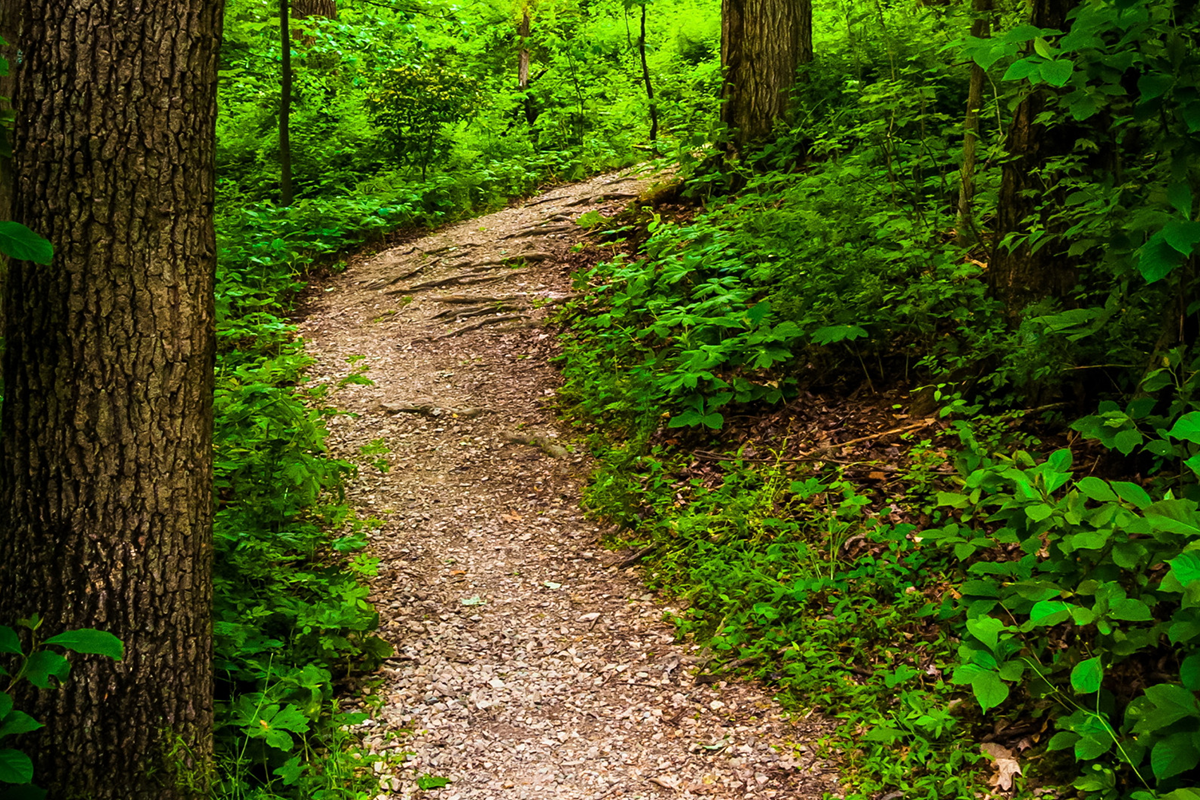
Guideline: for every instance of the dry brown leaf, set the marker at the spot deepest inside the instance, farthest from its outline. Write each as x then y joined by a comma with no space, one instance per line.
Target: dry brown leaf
1006,765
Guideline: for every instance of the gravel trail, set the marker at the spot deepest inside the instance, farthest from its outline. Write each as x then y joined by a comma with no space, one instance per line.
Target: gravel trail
530,663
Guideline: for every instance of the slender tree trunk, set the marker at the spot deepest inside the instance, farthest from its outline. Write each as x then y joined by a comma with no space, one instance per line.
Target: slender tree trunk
966,230
646,79
285,106
106,426
523,56
760,50
303,9
1022,276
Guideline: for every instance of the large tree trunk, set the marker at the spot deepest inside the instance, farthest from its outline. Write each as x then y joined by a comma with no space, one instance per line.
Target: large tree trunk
967,230
106,426
1023,276
762,44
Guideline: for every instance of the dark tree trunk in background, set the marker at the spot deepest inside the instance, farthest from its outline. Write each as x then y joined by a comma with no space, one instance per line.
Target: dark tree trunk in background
762,44
966,230
303,9
285,106
646,79
523,82
106,426
1024,276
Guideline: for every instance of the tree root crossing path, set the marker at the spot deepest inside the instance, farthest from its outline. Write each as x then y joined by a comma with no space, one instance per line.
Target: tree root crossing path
530,662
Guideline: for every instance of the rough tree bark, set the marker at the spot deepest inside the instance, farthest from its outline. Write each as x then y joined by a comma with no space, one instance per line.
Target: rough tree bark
106,426
966,229
762,44
1023,276
285,105
303,9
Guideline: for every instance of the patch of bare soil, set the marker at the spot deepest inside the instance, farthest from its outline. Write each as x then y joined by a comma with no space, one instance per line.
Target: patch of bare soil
530,663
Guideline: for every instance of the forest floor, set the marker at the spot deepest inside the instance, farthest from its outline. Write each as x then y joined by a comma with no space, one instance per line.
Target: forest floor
530,662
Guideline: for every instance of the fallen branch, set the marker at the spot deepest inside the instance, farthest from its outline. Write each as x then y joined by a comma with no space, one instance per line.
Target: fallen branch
464,299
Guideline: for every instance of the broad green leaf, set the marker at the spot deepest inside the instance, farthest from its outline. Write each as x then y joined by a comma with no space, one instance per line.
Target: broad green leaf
1179,195
6,704
1042,48
1174,755
831,334
1183,236
987,630
17,241
1154,85
1186,567
1019,70
1049,612
1096,489
1132,493
1187,427
1062,740
1130,610
1191,116
92,642
1157,258
44,665
18,722
15,767
1057,73
1171,704
1093,745
1039,511
1127,440
1189,672
291,771
989,690
1087,676
10,643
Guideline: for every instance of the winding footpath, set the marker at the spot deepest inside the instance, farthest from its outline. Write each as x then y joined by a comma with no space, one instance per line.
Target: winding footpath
530,663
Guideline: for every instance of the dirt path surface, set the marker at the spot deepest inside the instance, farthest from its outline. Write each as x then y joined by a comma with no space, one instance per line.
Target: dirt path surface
531,664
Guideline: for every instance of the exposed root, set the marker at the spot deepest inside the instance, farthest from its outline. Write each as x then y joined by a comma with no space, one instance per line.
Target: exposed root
412,273
428,409
549,446
467,313
472,299
483,323
542,231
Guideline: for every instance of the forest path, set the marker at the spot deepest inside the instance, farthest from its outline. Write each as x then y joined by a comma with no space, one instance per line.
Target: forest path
530,664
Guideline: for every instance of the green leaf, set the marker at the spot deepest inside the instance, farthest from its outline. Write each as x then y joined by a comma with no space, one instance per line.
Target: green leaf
1189,672
1186,567
1130,610
1191,116
1049,612
17,241
1127,440
10,643
1062,740
291,771
832,334
1132,493
989,690
1019,70
1096,489
6,704
1154,85
1173,755
427,782
91,642
1171,704
1087,676
1183,236
1179,195
15,767
987,630
1187,427
44,665
1157,258
1057,73
17,722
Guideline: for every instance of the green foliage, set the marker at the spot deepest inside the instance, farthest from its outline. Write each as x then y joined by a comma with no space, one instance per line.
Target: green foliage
42,668
413,106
